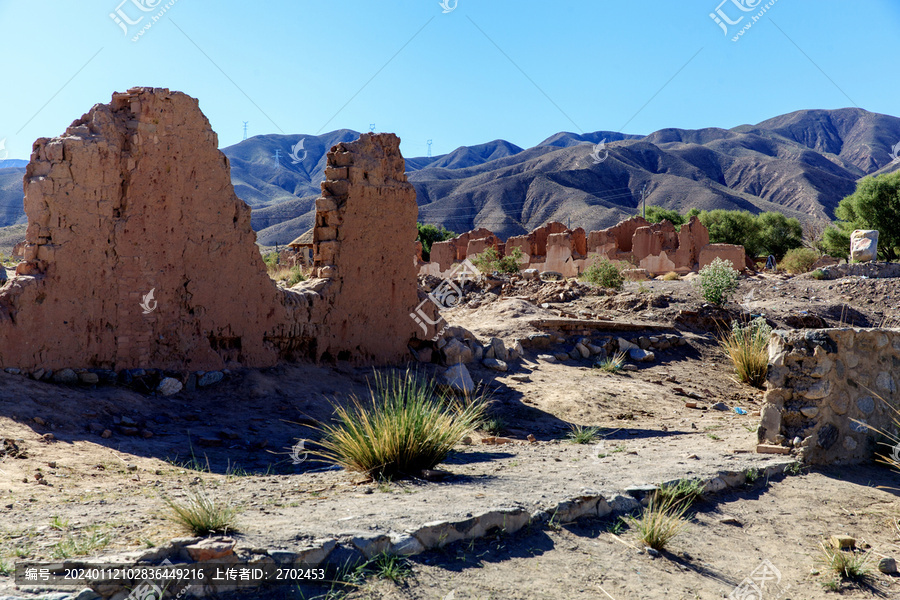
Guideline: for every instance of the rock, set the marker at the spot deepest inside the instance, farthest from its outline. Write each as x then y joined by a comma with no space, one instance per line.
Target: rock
495,364
595,349
517,351
809,411
729,520
887,565
842,542
561,356
864,245
652,551
531,274
95,427
129,431
89,378
478,351
489,351
65,376
638,355
39,421
643,342
547,358
210,549
629,367
168,386
625,345
87,594
13,370
209,378
106,434
539,340
127,421
456,352
458,379
500,350
720,406
520,378
574,354
583,350
531,438
771,449
423,354
37,374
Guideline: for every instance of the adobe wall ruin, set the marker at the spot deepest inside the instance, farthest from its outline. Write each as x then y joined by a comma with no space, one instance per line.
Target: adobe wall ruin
135,197
823,392
657,248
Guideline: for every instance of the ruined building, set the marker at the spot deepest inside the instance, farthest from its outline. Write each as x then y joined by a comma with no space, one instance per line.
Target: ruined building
139,253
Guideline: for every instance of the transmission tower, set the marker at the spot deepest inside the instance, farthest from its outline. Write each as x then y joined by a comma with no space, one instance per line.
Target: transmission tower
372,127
245,129
429,148
278,158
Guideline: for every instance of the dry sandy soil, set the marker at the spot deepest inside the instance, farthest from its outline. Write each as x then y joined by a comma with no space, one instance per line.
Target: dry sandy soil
68,484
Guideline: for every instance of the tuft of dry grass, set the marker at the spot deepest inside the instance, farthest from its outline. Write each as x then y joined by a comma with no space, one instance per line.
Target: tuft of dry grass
202,515
662,520
612,364
403,427
748,348
671,276
850,564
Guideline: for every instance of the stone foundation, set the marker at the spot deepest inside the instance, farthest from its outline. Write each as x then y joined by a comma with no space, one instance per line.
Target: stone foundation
827,387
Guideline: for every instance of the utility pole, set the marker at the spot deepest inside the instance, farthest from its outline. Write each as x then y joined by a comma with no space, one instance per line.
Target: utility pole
644,201
429,148
245,129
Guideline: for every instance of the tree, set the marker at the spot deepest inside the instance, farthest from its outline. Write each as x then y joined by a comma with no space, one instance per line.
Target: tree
429,234
738,227
778,234
657,214
874,205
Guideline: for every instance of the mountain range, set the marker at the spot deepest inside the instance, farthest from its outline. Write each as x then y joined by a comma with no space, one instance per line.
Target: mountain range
802,164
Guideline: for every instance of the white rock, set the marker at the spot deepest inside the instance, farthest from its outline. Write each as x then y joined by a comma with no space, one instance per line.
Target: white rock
169,386
458,379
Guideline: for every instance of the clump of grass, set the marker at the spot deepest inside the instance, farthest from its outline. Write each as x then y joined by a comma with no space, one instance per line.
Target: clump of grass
684,491
751,474
202,515
583,435
489,261
851,565
404,427
386,566
612,364
81,545
748,348
6,567
818,274
493,426
661,521
59,523
671,276
604,273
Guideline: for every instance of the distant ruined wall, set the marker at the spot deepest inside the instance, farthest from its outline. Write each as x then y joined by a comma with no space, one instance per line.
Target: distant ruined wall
657,248
823,390
135,196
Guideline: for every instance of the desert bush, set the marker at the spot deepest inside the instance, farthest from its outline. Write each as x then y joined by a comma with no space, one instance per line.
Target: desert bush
604,273
661,521
685,491
489,261
271,260
799,260
296,276
851,564
583,435
612,364
748,348
718,281
202,515
402,428
818,274
671,276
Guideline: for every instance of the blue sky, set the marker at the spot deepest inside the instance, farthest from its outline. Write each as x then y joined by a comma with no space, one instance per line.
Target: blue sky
487,69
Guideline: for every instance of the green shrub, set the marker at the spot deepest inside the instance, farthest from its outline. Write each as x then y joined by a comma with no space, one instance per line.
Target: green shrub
403,428
799,260
295,277
718,281
604,273
490,261
748,348
583,435
818,274
271,259
202,515
687,491
657,214
429,234
874,205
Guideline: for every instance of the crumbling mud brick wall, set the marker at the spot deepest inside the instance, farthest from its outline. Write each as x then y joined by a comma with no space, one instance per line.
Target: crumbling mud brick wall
827,387
363,241
136,197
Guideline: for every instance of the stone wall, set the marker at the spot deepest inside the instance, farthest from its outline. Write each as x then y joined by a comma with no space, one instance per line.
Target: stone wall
825,386
139,254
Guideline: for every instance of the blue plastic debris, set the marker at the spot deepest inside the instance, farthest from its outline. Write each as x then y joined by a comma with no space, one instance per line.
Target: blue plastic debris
740,410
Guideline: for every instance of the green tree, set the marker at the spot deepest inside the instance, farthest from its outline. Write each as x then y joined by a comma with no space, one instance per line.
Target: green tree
657,214
429,234
874,205
738,227
778,234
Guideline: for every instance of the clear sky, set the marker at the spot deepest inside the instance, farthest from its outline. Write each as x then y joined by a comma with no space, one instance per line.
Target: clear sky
487,69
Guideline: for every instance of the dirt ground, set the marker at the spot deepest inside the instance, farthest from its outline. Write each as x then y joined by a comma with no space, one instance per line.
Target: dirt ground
65,486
